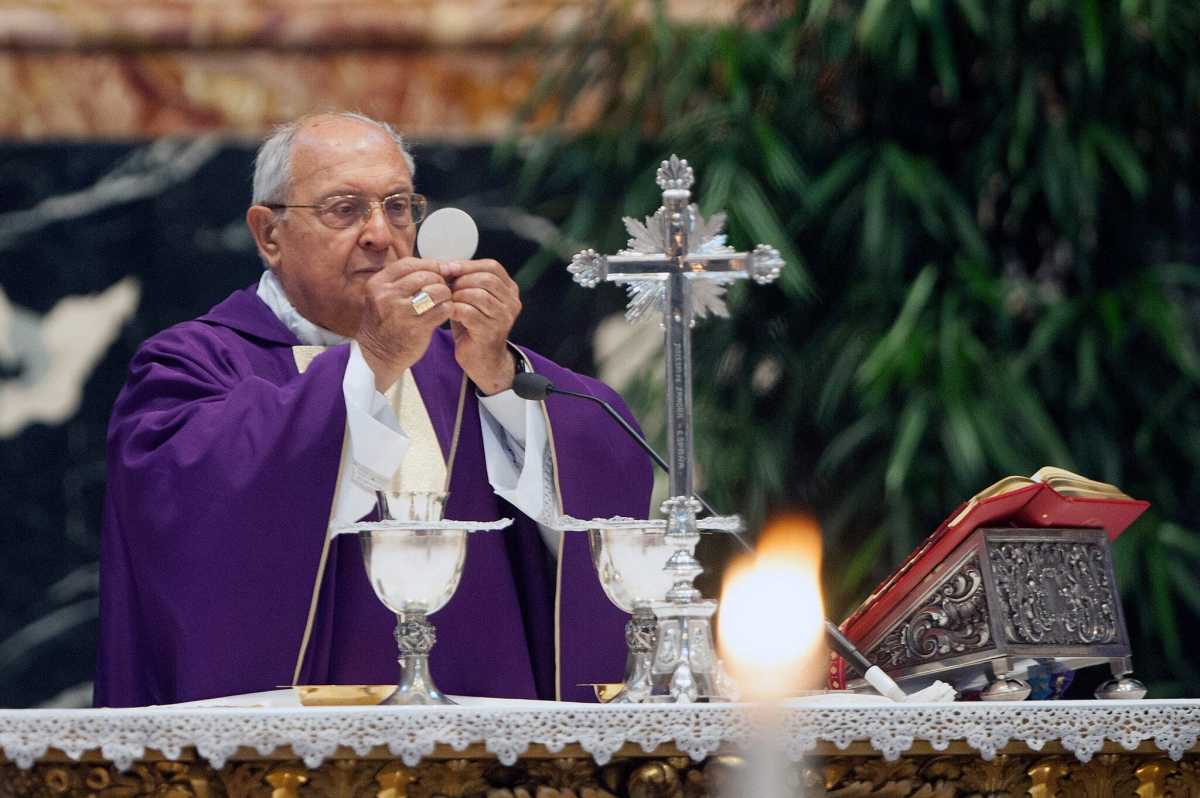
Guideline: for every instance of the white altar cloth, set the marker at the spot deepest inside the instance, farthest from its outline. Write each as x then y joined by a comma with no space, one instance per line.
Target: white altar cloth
508,728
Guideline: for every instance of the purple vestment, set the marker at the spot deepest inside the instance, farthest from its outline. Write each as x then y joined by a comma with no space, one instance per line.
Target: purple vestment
222,461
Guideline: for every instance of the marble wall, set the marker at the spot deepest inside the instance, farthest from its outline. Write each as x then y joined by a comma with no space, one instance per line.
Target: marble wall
445,69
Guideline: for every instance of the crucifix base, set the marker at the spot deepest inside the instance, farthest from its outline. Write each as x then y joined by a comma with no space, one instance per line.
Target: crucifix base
685,667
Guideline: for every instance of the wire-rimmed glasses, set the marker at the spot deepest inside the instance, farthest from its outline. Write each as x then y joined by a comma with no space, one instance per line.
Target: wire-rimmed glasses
347,210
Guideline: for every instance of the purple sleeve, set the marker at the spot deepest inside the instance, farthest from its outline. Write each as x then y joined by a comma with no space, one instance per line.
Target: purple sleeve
222,462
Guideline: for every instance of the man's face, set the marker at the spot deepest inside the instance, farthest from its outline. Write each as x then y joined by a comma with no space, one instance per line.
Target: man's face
323,270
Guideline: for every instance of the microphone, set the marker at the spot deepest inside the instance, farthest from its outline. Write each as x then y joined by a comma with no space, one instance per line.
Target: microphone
531,386
536,387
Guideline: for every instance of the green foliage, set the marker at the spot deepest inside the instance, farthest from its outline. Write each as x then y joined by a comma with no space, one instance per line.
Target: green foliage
989,219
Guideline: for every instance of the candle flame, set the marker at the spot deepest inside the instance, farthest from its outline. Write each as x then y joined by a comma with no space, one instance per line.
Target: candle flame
772,621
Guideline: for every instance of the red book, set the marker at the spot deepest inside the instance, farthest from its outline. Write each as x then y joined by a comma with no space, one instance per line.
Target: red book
1052,497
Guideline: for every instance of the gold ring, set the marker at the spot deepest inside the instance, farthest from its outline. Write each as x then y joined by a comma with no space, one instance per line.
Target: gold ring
422,303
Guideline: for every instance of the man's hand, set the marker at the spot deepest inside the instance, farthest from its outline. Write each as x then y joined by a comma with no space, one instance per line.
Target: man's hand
485,303
392,335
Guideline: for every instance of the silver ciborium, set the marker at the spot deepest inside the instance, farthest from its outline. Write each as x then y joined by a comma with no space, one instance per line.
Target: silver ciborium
414,566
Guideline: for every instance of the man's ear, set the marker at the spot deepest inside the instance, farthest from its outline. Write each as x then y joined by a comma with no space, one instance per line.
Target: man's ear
264,226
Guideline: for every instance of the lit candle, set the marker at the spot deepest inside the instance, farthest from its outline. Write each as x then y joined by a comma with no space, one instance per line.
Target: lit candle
771,623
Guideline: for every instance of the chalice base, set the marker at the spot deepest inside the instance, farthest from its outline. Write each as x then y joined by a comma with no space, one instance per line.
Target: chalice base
636,687
416,686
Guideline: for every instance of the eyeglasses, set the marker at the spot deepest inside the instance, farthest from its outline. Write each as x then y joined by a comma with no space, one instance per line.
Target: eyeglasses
400,210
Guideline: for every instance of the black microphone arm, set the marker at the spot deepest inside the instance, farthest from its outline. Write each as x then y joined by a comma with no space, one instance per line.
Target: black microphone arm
537,387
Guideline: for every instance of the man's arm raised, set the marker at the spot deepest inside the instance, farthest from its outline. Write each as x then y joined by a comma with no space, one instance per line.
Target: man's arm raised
392,334
485,304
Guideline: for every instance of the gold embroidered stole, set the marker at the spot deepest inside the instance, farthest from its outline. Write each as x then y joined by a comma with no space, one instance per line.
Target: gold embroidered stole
423,467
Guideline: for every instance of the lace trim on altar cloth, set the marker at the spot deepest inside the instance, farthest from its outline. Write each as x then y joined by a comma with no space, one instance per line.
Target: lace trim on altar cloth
509,729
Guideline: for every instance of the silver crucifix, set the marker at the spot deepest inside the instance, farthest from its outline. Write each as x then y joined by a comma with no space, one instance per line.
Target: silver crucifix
677,264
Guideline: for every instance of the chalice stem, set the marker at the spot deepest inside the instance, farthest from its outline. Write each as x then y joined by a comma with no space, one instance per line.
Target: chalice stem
415,637
640,632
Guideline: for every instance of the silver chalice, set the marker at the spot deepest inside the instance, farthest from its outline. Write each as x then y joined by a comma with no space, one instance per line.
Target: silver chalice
414,566
629,557
635,560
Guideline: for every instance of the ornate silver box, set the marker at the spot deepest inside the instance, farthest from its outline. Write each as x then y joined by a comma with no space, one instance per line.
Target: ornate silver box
1003,600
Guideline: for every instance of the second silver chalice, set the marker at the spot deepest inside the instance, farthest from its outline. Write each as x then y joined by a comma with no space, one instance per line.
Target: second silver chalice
634,560
414,567
629,556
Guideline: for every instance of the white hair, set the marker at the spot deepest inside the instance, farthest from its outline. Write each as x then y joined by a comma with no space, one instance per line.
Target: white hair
273,163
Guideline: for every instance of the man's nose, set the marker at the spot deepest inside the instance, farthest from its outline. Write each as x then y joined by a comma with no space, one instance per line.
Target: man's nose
376,232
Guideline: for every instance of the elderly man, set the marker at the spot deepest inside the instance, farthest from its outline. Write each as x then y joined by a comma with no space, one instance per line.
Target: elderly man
237,442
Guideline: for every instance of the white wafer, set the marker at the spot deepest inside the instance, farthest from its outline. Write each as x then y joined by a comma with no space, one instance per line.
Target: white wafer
448,234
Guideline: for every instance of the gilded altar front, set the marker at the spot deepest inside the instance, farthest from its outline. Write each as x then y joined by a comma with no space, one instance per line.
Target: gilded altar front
572,774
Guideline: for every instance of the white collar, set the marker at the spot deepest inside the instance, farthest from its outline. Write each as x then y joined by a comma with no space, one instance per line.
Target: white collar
270,291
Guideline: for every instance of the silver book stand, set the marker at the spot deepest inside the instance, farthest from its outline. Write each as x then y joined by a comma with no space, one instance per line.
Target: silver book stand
1005,597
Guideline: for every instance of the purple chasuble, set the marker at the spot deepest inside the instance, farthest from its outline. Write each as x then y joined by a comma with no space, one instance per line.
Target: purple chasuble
222,462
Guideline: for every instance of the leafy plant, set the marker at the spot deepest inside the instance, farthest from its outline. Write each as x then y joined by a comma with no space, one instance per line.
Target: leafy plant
990,223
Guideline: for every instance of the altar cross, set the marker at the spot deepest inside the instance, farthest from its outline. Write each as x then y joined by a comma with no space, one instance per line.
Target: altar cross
675,268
